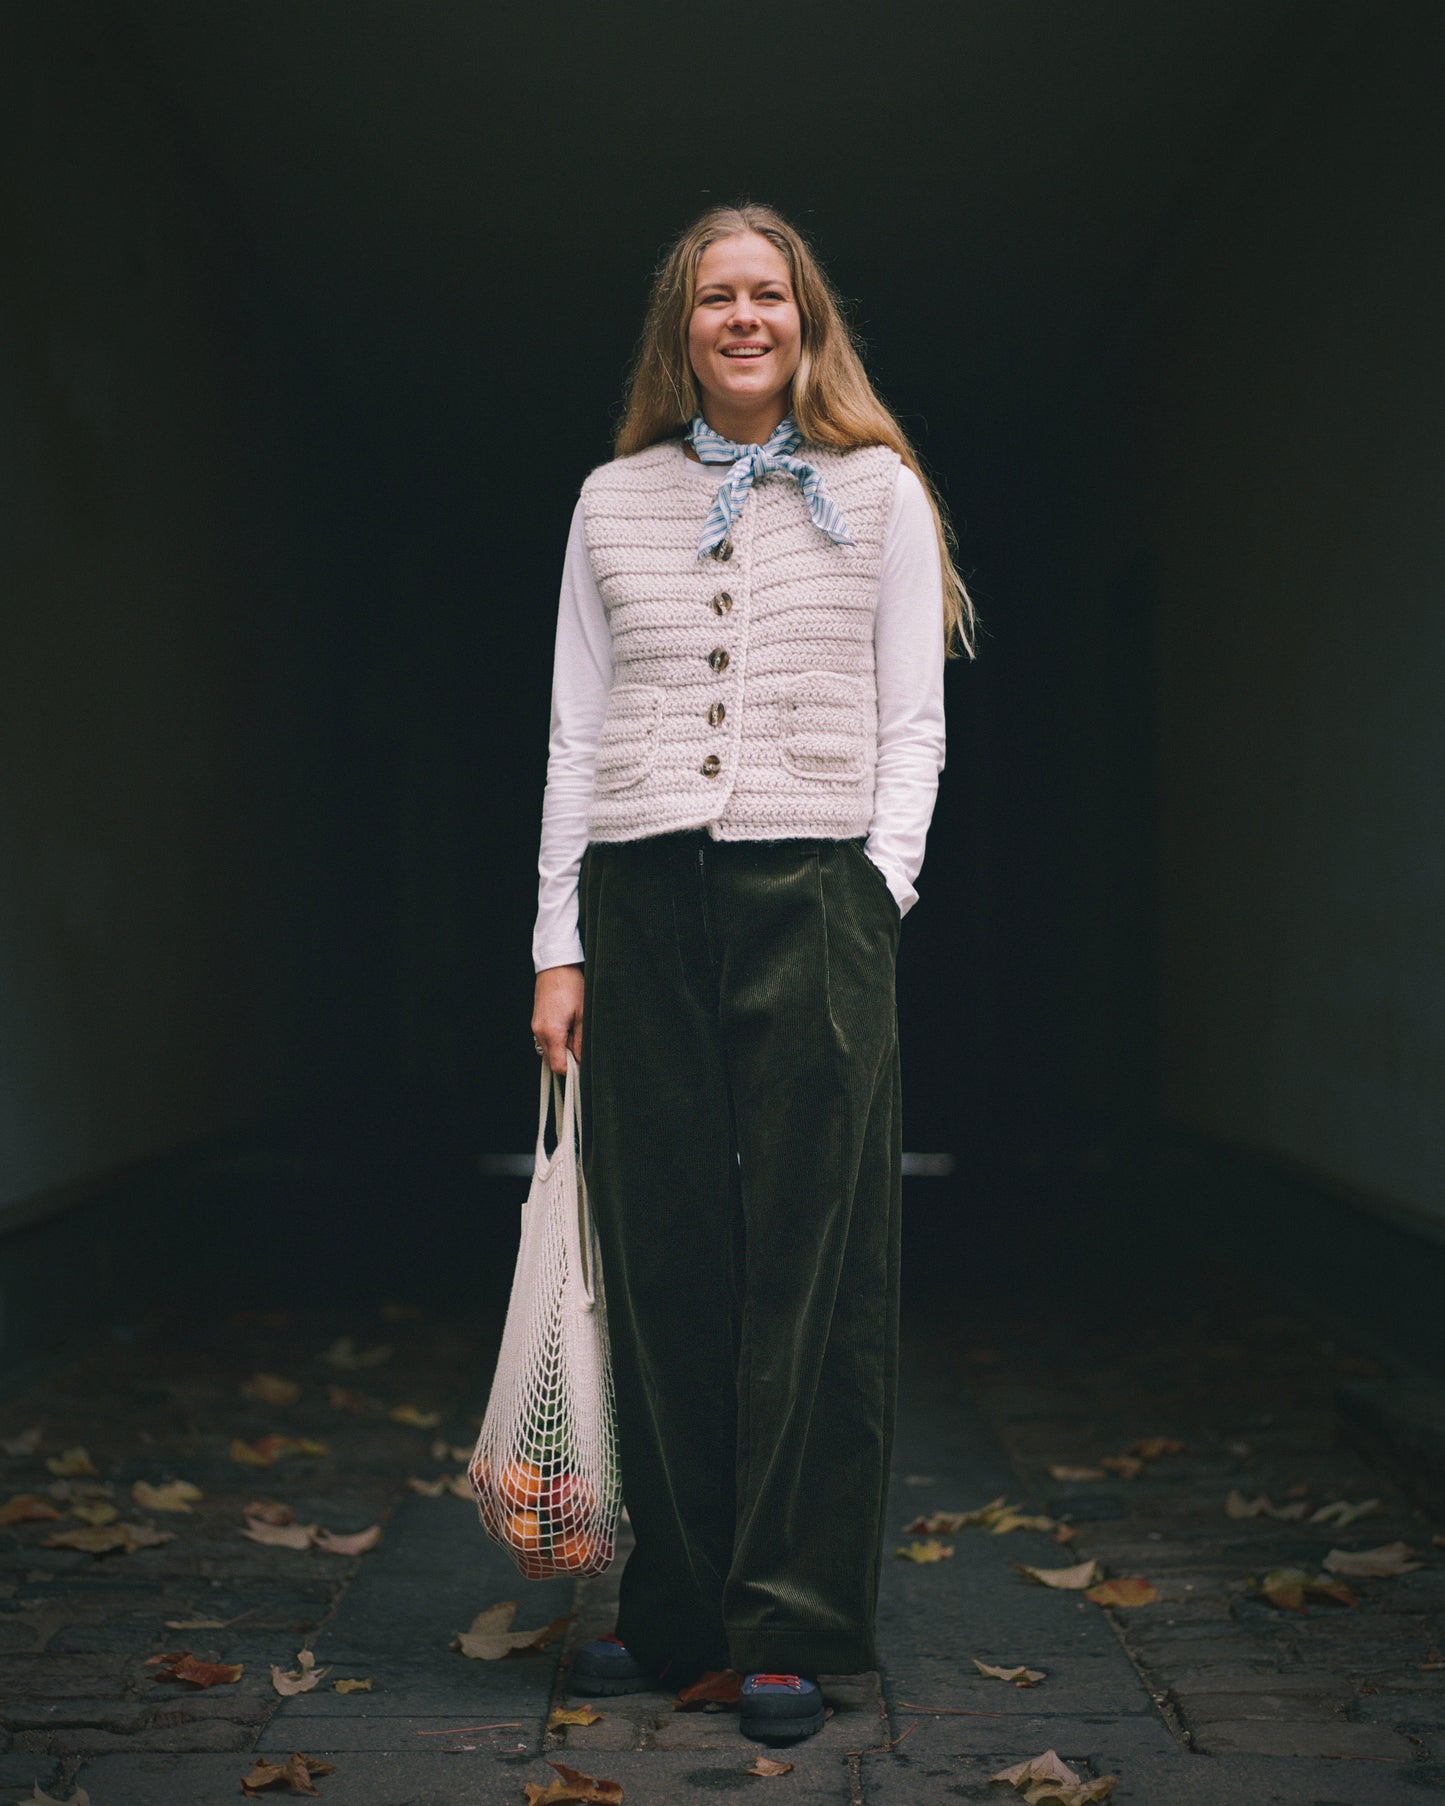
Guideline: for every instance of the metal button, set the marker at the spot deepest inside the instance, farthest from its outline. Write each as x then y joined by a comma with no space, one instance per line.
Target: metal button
721,602
723,550
716,715
718,658
711,766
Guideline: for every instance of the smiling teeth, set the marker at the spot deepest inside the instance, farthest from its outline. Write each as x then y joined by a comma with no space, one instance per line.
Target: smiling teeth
760,352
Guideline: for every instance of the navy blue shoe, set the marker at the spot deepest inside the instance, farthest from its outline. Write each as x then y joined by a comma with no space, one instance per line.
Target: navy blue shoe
606,1667
780,1708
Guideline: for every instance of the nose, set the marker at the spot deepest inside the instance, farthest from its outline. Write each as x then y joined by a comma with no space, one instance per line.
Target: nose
743,314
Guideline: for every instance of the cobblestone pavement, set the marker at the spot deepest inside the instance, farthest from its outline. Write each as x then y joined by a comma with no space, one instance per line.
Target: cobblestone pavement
1210,1694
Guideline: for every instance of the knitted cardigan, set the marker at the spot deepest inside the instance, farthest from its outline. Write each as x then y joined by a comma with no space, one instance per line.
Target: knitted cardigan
743,697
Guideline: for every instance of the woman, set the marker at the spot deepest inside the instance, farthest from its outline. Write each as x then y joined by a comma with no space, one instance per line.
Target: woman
746,736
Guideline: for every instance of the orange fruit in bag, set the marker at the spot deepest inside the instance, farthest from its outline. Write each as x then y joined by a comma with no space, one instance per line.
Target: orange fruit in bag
523,1530
521,1483
569,1497
573,1551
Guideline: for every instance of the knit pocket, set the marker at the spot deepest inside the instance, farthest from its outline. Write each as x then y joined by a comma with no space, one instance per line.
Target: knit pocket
627,749
826,722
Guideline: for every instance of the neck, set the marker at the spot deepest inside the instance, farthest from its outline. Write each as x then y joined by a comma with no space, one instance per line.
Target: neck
746,423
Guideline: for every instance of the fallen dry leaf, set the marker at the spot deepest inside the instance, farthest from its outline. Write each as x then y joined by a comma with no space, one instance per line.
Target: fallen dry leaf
103,1512
442,1450
765,1765
429,1489
198,1623
1434,1662
1341,1513
572,1788
280,1536
932,1550
417,1418
356,1542
175,1495
300,1679
269,1511
1021,1677
1065,1533
1062,1470
1015,1520
25,1443
101,1539
1069,1580
1287,1587
181,1665
565,1715
1150,1448
949,1523
28,1508
292,1776
718,1687
71,1462
490,1636
1045,1781
271,1389
268,1450
461,1486
1128,1467
1372,1564
353,1686
1047,1767
1237,1506
343,1352
1127,1590
361,1404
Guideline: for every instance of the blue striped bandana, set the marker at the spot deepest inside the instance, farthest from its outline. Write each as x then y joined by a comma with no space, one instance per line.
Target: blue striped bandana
749,462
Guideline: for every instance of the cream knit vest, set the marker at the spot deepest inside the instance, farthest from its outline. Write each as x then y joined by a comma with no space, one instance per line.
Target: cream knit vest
743,695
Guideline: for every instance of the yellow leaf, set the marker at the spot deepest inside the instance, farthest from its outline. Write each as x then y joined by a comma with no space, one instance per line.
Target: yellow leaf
932,1550
1069,1580
572,1788
175,1495
1372,1564
28,1508
1013,1520
1237,1506
1045,1781
950,1522
1021,1677
103,1512
271,1389
1047,1767
565,1715
411,1414
71,1461
1061,1470
765,1765
1287,1587
1342,1514
490,1636
266,1451
101,1539
1127,1590
300,1679
294,1774
353,1686
280,1536
1128,1467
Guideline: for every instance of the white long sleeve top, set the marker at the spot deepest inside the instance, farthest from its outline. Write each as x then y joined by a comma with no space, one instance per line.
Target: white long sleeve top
908,662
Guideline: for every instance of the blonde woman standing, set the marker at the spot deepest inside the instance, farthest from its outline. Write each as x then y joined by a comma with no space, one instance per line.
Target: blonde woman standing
746,735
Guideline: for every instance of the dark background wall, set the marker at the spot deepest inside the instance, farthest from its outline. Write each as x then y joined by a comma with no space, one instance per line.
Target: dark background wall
312,320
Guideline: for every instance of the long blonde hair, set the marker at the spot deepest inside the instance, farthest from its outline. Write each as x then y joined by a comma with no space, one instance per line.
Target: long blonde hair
833,401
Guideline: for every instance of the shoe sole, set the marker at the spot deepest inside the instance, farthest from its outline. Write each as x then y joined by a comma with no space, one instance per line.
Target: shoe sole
594,1686
782,1730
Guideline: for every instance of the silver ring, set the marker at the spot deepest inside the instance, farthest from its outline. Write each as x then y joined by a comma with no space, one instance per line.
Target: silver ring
537,1045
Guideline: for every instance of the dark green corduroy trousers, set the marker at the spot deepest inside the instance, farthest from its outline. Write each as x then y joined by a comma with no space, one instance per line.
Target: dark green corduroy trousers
743,1154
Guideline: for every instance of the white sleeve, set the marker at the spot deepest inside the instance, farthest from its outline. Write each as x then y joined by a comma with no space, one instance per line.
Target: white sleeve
909,657
581,681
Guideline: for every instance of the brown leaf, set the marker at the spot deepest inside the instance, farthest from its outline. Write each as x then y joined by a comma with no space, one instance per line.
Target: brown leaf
1065,1533
266,1451
103,1512
417,1418
490,1636
1047,1767
343,1398
950,1522
70,1462
28,1508
718,1687
292,1776
101,1539
1127,1590
175,1495
280,1536
764,1765
356,1542
353,1686
300,1679
429,1489
1045,1781
1372,1564
1237,1506
181,1665
1062,1470
1341,1513
572,1788
1069,1580
1021,1677
565,1715
269,1511
271,1389
343,1352
198,1623
1015,1520
1287,1587
1150,1448
1128,1467
932,1550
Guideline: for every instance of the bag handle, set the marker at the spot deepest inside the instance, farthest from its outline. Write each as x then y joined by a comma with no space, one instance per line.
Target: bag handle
580,1235
556,1100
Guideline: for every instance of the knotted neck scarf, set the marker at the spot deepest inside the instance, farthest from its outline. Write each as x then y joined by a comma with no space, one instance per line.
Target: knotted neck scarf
749,462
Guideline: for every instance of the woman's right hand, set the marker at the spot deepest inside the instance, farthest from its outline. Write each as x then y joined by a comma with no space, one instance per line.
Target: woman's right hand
557,1014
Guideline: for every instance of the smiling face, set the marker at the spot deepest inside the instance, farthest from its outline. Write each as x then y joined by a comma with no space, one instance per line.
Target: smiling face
745,335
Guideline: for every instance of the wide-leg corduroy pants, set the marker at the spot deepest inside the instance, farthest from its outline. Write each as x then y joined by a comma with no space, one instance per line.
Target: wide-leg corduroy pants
742,1150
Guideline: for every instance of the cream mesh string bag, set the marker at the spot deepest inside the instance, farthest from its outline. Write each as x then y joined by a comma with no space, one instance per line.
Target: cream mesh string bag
544,1470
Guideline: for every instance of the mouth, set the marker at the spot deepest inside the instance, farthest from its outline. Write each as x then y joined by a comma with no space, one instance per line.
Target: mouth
743,353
